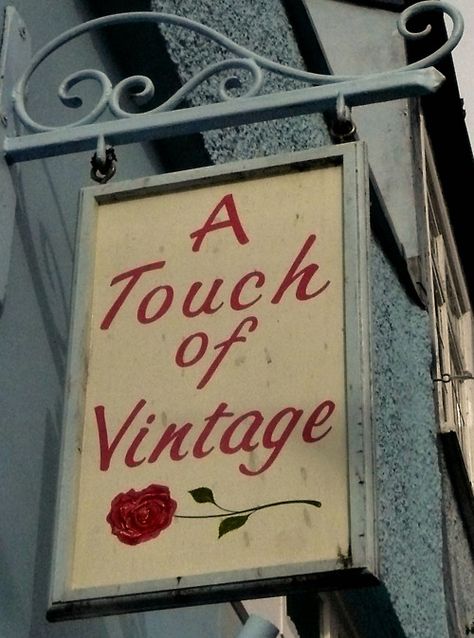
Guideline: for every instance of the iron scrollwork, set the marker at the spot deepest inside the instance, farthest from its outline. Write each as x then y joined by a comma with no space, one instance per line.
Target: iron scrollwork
142,87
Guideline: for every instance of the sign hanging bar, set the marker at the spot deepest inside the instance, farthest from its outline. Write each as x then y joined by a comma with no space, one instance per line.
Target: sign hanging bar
213,116
229,109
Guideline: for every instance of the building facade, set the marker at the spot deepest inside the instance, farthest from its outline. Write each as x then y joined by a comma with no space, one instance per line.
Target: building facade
421,280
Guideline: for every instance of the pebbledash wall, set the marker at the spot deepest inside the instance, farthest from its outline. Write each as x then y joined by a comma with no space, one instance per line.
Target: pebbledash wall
425,563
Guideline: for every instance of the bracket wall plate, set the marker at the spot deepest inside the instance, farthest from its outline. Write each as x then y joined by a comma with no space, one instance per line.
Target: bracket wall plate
15,56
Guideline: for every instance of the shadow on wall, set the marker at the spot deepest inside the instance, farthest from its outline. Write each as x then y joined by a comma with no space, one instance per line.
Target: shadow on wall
49,255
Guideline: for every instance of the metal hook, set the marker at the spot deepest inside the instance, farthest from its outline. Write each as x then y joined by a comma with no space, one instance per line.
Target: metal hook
342,127
448,378
100,151
103,162
445,378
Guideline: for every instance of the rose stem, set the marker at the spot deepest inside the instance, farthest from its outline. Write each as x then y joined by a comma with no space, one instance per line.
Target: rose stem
252,510
224,509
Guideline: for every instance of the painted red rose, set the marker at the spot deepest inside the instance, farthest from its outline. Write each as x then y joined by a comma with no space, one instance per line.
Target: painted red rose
139,516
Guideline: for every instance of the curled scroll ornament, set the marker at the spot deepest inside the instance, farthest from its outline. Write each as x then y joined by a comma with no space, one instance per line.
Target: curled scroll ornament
142,88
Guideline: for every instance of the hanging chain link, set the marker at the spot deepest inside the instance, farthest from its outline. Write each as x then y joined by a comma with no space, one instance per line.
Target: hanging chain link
103,170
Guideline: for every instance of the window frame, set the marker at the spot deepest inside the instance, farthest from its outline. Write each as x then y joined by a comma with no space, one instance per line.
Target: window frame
451,316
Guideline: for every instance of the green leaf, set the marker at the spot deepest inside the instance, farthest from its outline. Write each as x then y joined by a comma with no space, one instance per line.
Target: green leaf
202,495
231,523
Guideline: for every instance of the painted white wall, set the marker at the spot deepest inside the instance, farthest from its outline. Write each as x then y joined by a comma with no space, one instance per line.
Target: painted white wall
350,35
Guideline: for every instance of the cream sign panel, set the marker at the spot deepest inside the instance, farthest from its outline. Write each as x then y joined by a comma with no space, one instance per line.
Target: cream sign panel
210,402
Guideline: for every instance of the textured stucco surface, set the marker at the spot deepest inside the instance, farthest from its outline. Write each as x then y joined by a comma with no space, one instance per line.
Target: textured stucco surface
459,562
262,27
407,477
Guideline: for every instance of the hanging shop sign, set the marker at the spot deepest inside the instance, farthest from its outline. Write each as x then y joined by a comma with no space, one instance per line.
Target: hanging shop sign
217,430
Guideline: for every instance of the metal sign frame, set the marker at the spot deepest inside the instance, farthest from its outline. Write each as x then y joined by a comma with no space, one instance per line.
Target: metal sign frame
358,568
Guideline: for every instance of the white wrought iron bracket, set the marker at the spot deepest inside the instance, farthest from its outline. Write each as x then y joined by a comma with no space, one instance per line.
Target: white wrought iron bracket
318,92
240,95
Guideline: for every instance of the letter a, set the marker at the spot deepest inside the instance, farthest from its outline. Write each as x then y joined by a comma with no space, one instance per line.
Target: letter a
210,225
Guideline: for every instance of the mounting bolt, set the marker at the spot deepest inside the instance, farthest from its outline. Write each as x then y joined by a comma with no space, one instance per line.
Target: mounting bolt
22,32
4,119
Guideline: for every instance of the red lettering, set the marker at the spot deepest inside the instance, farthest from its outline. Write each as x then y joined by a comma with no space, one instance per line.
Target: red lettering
326,408
238,435
175,437
269,443
211,225
235,302
130,455
245,443
134,275
225,346
305,275
206,305
198,449
179,358
130,460
162,310
107,449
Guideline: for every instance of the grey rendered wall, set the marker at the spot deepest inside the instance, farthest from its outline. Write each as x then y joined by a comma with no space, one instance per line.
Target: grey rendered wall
459,563
262,27
33,343
409,489
363,40
407,476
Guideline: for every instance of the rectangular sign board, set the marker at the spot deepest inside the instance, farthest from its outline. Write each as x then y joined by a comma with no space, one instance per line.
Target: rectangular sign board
217,425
